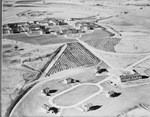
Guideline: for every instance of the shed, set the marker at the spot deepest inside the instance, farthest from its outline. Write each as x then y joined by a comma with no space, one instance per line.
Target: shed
47,30
12,25
6,31
84,27
78,25
73,31
45,23
53,32
5,26
42,27
54,21
36,31
34,27
16,30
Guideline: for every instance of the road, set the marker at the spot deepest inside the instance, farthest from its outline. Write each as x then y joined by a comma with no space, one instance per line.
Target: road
96,84
138,62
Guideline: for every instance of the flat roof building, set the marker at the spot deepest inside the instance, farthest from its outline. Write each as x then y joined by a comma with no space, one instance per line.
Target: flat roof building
130,77
84,27
54,21
16,30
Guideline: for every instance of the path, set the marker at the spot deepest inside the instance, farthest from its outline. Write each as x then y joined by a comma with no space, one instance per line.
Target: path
138,62
80,102
96,84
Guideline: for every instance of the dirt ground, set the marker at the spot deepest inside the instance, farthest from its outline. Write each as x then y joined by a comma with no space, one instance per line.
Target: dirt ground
15,76
39,100
120,60
129,18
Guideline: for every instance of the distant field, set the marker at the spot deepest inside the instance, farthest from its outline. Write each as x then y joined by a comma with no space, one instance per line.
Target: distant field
96,35
25,6
26,1
39,40
105,44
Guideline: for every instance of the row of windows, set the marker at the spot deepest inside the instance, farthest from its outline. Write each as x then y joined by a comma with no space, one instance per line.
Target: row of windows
130,78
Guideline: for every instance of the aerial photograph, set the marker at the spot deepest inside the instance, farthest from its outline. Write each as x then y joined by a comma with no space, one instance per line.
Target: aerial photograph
75,58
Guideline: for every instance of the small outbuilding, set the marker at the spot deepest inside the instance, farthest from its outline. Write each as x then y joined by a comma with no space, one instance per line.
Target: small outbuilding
16,30
12,25
5,27
71,80
84,27
78,25
54,21
47,30
113,94
91,107
47,91
6,31
51,109
36,31
53,32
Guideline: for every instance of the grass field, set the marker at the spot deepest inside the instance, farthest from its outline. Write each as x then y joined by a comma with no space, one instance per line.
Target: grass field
39,40
76,95
113,106
105,44
96,35
26,1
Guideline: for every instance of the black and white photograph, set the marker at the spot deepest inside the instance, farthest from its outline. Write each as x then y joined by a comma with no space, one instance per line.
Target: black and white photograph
75,58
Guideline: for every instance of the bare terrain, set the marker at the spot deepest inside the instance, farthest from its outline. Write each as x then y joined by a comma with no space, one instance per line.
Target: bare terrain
120,46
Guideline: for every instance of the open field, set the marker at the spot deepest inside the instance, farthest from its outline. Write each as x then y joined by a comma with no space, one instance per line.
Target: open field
96,35
120,60
134,33
26,1
105,44
17,78
143,67
76,95
35,99
140,44
39,40
29,105
101,40
57,9
14,73
128,18
129,98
